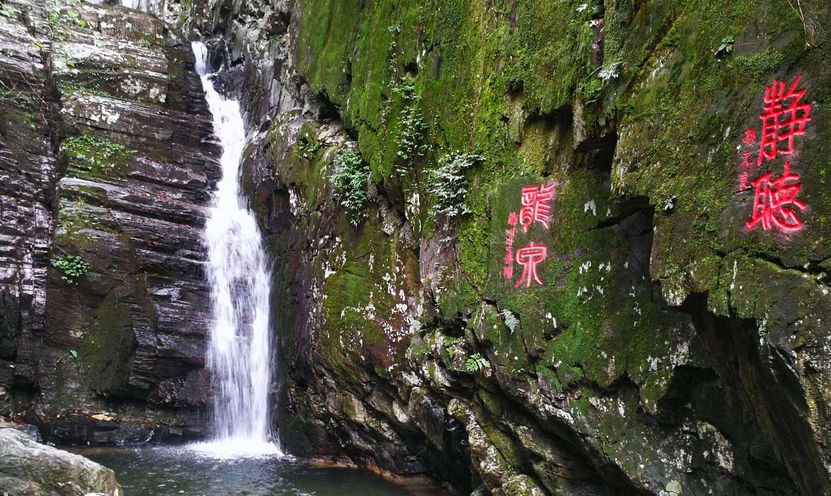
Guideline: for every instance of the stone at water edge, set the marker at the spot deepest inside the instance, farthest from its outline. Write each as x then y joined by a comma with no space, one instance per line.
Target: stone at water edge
28,468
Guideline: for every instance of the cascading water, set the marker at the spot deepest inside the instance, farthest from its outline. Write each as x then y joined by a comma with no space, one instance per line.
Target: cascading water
238,273
149,6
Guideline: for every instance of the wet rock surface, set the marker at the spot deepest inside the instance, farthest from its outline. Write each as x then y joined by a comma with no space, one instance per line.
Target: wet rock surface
107,156
669,351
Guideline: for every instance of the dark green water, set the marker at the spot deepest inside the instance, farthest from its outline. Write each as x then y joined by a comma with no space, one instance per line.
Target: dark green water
179,471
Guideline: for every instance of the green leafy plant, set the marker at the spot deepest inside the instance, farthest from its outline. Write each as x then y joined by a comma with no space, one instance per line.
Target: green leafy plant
726,47
308,150
476,363
511,320
8,11
73,267
449,184
61,20
413,128
75,18
590,89
449,344
610,72
350,178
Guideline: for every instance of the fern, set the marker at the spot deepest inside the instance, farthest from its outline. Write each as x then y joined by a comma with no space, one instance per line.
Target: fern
511,320
476,363
449,184
350,178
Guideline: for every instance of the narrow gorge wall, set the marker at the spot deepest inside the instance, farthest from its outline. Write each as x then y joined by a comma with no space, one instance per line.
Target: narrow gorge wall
669,349
106,155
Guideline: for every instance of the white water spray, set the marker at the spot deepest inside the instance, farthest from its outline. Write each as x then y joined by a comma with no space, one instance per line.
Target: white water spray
238,273
149,6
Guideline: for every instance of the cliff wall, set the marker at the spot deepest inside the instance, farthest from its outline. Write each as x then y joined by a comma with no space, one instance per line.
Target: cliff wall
673,337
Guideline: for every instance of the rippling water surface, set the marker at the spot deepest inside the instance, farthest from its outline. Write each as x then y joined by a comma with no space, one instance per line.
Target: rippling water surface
191,472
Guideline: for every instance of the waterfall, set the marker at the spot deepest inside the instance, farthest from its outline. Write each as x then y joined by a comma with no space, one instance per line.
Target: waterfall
149,6
238,273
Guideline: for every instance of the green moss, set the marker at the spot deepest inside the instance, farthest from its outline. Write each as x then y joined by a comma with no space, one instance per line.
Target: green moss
107,346
509,449
76,219
69,88
308,164
91,157
484,85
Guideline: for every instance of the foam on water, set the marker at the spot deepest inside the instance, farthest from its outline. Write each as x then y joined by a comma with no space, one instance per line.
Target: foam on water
234,448
238,272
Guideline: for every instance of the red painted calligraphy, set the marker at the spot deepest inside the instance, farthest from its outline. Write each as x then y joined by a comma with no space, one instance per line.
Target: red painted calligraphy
743,182
529,257
508,270
784,117
747,165
773,199
746,162
535,205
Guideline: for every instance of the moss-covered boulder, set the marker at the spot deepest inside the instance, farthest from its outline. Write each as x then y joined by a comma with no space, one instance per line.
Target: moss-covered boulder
28,468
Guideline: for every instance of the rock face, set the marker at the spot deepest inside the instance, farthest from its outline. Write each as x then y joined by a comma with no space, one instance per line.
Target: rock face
669,349
28,468
107,156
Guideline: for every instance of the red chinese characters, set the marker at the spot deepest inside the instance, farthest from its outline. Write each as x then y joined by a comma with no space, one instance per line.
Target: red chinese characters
745,168
773,199
746,162
535,205
529,257
749,137
784,118
743,182
508,270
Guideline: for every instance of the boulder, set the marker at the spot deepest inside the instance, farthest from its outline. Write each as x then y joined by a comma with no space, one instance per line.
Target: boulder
28,468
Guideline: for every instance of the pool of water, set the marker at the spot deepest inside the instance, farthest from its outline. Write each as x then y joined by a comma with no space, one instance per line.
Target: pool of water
183,471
